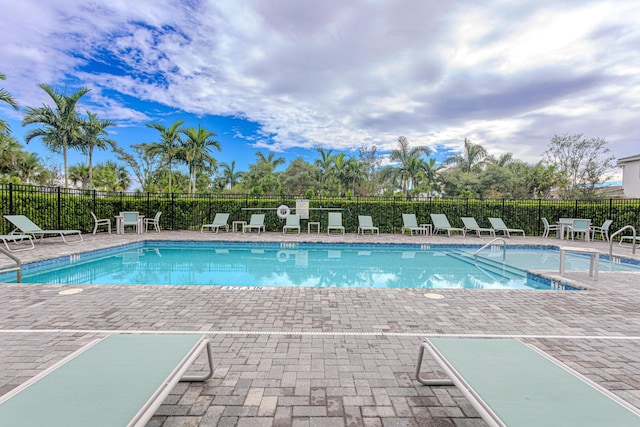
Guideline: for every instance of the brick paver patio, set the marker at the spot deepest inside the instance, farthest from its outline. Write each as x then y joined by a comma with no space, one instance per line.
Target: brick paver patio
323,356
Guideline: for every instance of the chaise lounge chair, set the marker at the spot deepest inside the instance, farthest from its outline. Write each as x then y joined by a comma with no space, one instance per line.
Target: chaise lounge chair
514,384
120,380
365,223
293,223
219,221
409,222
498,225
17,238
441,223
25,226
256,222
470,224
335,222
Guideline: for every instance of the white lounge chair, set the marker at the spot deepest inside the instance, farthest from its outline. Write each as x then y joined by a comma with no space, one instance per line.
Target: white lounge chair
16,239
120,380
25,226
155,222
498,225
293,223
100,222
256,222
470,224
365,223
441,223
514,384
219,221
335,222
410,223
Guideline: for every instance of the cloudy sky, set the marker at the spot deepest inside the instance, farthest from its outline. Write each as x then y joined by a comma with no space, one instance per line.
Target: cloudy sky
289,75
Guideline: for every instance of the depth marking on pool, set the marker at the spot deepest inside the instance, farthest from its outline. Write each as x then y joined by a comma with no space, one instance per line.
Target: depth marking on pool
319,333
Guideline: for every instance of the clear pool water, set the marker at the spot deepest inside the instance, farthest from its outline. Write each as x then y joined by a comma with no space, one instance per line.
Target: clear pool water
314,265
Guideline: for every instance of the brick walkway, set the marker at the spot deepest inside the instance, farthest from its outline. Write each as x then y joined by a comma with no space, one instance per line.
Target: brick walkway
323,356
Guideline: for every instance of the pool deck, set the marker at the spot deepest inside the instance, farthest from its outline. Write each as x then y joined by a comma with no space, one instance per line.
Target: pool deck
324,356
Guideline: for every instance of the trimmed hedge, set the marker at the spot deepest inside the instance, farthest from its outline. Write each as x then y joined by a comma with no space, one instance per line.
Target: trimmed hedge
56,208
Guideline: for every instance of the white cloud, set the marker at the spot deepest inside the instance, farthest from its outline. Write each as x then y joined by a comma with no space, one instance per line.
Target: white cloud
340,74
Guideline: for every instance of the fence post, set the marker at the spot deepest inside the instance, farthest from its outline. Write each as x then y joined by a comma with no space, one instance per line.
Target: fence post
59,208
11,212
173,212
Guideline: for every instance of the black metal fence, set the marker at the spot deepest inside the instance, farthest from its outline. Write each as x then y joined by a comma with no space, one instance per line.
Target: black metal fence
64,208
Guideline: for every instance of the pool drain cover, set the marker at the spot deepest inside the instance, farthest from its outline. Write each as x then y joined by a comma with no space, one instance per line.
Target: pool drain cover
71,291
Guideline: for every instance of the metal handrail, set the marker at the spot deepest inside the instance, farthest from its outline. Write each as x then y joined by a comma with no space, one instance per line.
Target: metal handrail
504,247
633,242
17,268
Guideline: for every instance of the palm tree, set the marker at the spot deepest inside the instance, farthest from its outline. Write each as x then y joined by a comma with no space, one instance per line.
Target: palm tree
79,174
230,177
196,151
112,177
271,161
94,136
60,126
30,168
407,158
324,163
472,157
6,97
169,145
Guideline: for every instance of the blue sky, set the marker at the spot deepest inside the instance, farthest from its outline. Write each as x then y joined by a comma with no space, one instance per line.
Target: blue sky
286,76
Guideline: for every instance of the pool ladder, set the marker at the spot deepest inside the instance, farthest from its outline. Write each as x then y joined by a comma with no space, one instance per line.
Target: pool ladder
633,241
17,268
493,243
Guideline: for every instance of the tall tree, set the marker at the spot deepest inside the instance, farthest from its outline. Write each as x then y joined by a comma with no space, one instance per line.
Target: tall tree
94,135
169,146
324,164
61,127
6,97
270,160
472,158
230,177
406,157
196,150
586,162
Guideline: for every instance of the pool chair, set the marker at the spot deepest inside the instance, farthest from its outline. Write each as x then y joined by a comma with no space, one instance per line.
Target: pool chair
120,380
581,227
129,219
365,223
256,222
470,224
16,239
25,226
441,223
498,225
335,222
514,384
219,221
100,222
603,230
155,222
293,223
410,223
549,228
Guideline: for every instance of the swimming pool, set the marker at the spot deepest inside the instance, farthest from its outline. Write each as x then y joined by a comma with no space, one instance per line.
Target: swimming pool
307,264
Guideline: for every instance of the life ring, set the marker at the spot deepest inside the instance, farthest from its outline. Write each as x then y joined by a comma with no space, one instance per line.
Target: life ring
283,211
283,256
